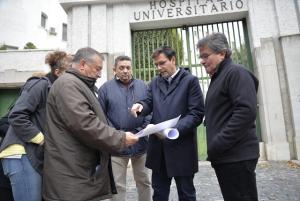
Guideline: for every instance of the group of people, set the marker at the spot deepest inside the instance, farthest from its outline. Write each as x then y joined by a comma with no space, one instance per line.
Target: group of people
67,141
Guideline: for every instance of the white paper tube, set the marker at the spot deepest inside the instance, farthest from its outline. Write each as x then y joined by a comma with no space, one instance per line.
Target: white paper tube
171,133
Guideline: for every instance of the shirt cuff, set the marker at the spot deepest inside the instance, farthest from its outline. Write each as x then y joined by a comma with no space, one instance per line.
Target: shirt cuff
38,138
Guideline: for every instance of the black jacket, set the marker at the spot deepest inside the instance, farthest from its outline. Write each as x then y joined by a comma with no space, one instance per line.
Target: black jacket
3,126
183,97
230,113
27,119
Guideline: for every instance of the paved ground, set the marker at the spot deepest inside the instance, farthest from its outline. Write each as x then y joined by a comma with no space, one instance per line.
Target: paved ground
278,181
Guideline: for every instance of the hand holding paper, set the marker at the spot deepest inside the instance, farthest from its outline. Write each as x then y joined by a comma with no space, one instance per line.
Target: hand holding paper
130,138
163,128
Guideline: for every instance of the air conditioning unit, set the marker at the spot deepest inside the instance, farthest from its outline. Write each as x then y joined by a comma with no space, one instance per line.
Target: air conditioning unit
52,31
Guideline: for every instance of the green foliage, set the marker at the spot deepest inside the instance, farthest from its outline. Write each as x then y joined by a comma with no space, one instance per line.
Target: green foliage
240,55
201,143
29,45
3,47
146,42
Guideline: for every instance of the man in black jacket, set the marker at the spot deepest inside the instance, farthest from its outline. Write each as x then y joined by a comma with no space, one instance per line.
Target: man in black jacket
230,113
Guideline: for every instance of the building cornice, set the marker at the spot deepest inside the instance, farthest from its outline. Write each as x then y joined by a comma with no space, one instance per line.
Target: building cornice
66,4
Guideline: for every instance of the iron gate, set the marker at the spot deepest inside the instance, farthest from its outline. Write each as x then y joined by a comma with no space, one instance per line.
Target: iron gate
184,40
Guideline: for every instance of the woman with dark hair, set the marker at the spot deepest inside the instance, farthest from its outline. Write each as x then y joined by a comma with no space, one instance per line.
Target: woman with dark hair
21,151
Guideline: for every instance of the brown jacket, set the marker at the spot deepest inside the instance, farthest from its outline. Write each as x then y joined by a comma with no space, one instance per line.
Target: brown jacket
77,163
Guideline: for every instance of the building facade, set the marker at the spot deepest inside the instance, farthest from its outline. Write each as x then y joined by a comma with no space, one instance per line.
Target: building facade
41,22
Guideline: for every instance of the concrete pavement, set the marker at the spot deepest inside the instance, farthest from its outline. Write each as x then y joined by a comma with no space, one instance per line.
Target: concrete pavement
279,181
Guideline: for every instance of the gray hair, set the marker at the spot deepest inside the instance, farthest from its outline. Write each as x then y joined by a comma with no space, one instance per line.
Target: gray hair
86,53
217,42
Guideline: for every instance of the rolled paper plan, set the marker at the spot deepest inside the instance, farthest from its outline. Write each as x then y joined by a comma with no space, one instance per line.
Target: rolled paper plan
170,133
164,127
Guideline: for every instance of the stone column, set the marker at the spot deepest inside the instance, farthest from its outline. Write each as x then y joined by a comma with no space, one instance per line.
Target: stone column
290,45
271,111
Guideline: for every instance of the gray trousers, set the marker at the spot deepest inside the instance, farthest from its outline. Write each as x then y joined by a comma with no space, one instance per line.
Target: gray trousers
141,176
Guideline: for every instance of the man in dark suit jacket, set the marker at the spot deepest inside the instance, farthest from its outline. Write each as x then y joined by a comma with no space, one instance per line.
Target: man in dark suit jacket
172,93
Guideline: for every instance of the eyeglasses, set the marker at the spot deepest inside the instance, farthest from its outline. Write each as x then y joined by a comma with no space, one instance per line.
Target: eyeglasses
204,56
161,63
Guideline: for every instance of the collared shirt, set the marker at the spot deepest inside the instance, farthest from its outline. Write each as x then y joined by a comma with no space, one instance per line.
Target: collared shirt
172,76
169,79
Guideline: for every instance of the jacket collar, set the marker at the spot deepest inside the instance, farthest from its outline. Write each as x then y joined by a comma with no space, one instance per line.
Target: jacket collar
168,88
90,82
51,77
221,67
118,81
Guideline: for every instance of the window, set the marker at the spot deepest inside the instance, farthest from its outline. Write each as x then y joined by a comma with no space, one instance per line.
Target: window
64,32
44,18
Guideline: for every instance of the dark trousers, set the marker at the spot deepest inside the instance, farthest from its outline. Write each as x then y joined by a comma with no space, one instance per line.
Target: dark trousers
237,180
5,187
161,186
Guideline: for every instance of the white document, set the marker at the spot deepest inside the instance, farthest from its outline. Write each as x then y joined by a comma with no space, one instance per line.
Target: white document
164,128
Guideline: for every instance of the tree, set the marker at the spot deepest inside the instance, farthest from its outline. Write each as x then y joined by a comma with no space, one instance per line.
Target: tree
29,45
240,55
3,47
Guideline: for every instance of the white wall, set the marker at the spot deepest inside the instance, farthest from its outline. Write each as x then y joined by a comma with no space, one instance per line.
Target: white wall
268,22
20,23
270,103
17,66
292,61
25,60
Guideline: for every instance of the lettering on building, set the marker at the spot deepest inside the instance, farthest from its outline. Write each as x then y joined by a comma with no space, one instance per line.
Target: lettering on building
164,9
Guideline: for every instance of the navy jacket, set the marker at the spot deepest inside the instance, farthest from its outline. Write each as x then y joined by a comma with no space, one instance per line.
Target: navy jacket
116,101
230,113
27,119
183,97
